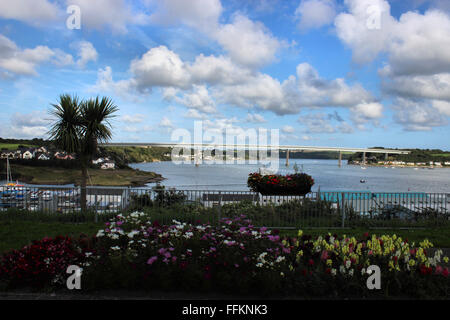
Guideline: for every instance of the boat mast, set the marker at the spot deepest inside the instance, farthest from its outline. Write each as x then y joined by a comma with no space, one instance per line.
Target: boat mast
8,172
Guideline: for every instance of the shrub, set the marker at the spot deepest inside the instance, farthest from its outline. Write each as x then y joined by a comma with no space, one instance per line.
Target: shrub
40,264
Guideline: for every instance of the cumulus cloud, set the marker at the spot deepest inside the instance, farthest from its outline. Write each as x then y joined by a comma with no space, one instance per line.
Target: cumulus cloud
30,11
417,49
366,38
27,125
315,13
365,112
202,14
198,99
113,14
25,61
255,118
86,52
204,82
321,123
159,67
287,129
247,42
415,115
166,123
134,119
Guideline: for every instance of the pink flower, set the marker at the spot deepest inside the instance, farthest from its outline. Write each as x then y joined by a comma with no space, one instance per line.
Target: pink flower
152,260
439,269
324,255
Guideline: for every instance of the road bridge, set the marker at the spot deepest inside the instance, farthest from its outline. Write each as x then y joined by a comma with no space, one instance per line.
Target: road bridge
288,148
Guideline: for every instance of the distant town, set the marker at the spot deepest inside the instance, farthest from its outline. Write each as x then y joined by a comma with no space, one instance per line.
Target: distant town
44,154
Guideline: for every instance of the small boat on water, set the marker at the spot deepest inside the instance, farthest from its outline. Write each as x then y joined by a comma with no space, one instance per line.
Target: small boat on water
363,168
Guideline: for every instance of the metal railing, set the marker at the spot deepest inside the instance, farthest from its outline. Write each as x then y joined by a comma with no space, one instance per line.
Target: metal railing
315,210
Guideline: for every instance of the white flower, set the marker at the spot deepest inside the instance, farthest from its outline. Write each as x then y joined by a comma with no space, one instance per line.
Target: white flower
342,269
115,248
279,259
259,265
351,273
100,233
133,233
348,263
88,254
333,272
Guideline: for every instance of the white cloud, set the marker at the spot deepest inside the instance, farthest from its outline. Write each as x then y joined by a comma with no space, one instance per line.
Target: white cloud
365,112
86,52
255,118
248,43
435,86
416,115
416,44
30,11
205,82
159,67
202,14
321,123
352,28
26,125
166,123
287,129
114,14
24,62
198,99
315,13
195,114
136,118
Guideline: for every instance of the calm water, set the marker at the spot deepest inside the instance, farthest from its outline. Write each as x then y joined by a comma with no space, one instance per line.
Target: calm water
326,174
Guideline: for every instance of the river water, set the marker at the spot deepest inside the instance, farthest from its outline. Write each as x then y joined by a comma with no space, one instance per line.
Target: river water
326,173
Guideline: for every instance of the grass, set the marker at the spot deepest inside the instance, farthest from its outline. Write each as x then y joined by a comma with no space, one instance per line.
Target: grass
13,146
60,176
17,234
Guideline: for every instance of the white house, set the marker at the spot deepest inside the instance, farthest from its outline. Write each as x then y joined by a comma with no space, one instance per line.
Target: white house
108,165
44,157
28,154
98,161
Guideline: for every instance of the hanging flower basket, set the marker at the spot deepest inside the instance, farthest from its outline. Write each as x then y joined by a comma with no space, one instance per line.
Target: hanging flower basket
298,184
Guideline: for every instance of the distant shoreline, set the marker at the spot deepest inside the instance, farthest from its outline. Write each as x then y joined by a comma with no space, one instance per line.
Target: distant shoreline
397,166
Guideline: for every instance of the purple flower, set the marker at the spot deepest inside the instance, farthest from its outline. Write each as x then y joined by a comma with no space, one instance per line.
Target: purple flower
152,260
119,223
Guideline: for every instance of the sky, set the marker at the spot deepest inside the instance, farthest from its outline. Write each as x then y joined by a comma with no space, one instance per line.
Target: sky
351,73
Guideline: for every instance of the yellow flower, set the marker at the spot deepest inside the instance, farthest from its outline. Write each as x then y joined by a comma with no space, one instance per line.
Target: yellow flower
445,259
412,262
329,262
300,233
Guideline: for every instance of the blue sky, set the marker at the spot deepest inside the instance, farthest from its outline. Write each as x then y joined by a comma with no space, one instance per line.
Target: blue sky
325,72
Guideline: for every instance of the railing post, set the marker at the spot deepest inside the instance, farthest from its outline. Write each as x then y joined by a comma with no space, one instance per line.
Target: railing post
96,209
343,211
220,208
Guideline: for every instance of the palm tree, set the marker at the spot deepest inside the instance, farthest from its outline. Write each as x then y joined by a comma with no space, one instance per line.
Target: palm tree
79,127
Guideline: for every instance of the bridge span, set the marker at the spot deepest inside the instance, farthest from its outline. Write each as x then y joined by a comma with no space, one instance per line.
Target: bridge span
288,148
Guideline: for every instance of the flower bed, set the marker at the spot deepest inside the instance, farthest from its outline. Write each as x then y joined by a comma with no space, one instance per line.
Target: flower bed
297,184
133,252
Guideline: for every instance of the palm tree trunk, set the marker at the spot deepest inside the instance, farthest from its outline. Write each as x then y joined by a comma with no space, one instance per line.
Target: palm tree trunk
84,176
